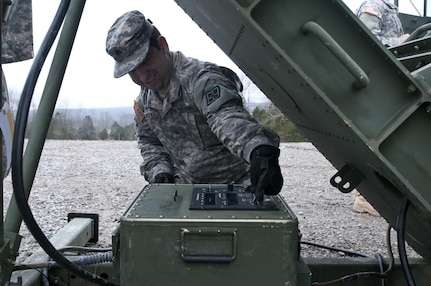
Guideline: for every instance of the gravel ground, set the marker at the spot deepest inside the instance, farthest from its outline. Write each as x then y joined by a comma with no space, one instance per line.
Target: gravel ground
103,177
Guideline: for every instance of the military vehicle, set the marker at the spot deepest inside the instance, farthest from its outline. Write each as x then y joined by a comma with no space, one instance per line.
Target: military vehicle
365,107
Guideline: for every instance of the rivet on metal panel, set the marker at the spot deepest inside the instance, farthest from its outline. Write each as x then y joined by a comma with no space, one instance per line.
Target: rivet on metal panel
411,88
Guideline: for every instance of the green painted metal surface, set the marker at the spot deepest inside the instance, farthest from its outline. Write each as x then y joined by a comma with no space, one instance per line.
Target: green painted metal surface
330,269
77,233
346,92
163,242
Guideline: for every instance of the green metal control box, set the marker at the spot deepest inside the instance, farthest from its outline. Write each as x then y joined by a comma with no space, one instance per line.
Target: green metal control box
208,235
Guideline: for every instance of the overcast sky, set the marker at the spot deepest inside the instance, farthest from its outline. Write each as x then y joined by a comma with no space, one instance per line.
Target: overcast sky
89,80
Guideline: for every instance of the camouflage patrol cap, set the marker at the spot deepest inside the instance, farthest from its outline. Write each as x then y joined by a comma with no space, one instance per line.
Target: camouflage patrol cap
128,41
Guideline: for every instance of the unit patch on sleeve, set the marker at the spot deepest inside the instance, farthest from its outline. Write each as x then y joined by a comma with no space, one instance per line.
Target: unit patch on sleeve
138,111
213,95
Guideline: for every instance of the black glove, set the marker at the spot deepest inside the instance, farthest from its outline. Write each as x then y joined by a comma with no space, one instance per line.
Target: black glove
163,178
265,173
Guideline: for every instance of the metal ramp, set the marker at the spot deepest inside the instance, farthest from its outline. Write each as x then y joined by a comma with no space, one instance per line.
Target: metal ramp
360,106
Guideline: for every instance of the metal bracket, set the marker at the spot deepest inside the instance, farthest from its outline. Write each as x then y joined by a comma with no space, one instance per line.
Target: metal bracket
347,179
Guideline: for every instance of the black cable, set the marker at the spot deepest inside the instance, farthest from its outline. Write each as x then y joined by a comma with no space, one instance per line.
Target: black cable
334,248
380,260
368,274
18,146
401,224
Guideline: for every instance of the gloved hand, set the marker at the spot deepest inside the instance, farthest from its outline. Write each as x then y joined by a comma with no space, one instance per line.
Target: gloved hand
163,178
265,173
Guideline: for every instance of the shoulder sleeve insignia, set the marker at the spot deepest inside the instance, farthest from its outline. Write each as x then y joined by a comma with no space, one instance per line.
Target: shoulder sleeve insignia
213,95
138,111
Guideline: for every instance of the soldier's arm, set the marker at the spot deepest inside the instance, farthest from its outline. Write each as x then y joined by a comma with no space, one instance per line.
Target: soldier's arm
220,100
156,159
371,16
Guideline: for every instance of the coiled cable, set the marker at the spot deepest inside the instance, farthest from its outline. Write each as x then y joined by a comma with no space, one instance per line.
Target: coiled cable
18,146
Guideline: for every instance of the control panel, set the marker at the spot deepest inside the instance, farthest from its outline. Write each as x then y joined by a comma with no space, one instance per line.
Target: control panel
229,197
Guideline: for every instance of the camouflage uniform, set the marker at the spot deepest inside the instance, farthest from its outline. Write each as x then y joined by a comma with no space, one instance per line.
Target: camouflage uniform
197,130
17,45
200,132
381,17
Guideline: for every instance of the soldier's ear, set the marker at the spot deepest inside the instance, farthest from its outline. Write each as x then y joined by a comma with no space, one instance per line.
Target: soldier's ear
163,44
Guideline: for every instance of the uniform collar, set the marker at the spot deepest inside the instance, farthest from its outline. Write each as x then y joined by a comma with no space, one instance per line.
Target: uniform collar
172,94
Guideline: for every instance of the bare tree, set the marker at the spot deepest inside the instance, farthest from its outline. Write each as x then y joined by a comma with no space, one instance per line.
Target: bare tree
14,96
251,92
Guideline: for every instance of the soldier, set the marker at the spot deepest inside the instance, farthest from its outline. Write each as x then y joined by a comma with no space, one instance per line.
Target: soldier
190,121
381,17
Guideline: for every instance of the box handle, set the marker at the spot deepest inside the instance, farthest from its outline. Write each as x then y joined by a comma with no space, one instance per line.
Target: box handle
208,258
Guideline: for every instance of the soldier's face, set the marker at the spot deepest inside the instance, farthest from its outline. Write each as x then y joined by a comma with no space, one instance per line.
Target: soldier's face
155,71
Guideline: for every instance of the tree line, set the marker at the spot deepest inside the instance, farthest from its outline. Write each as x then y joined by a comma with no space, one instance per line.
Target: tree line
68,125
64,127
278,122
